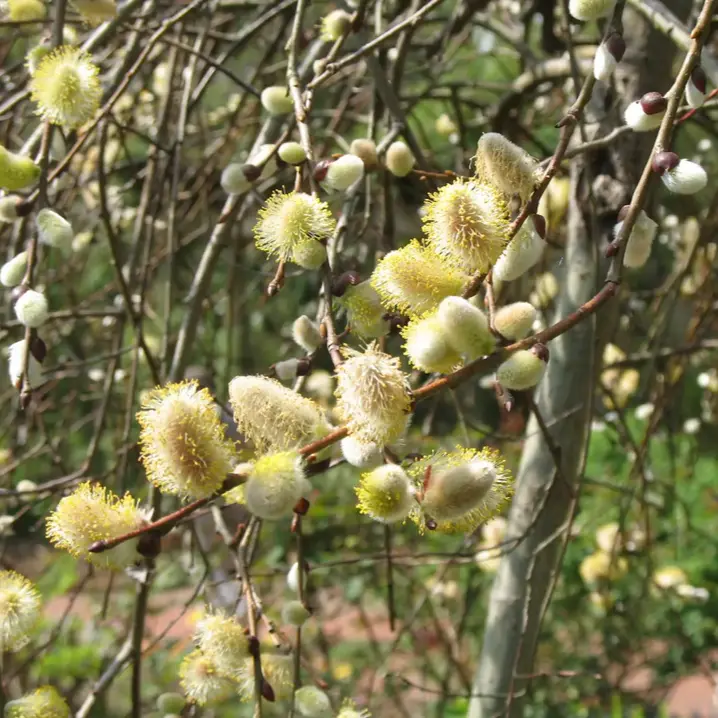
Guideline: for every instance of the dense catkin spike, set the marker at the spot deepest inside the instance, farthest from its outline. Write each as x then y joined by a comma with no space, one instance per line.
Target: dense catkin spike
16,171
16,366
31,309
467,223
13,271
373,396
276,482
91,513
514,321
276,100
311,702
505,165
427,346
365,313
386,494
25,10
640,241
53,229
272,416
277,670
20,607
66,87
362,454
523,369
202,682
44,702
399,159
466,328
335,24
414,279
222,640
464,488
95,11
183,444
590,9
291,223
521,254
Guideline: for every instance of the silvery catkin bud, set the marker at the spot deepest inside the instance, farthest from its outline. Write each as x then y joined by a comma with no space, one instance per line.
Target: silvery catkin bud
679,176
312,703
466,328
233,179
362,454
13,271
638,248
522,253
276,100
287,369
295,613
53,229
365,150
335,24
514,321
344,172
95,12
608,54
8,208
31,309
696,87
292,153
16,171
306,334
275,484
523,369
590,9
647,113
16,365
399,159
427,345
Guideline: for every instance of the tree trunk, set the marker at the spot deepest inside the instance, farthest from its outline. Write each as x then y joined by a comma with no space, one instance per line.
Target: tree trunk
546,496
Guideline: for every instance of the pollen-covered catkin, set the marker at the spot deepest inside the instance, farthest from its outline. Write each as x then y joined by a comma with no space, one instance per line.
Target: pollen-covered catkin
461,488
505,165
272,416
386,494
43,702
202,682
20,608
276,482
222,639
372,395
183,443
414,279
467,223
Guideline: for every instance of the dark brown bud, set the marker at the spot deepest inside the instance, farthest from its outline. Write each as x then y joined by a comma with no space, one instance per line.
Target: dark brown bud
430,523
321,169
623,212
301,507
149,544
541,351
253,645
653,103
616,45
304,366
23,208
267,690
251,172
38,348
664,161
698,78
611,250
540,224
343,282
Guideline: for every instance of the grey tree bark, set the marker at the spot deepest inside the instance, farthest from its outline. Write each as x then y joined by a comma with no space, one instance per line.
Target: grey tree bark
546,494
